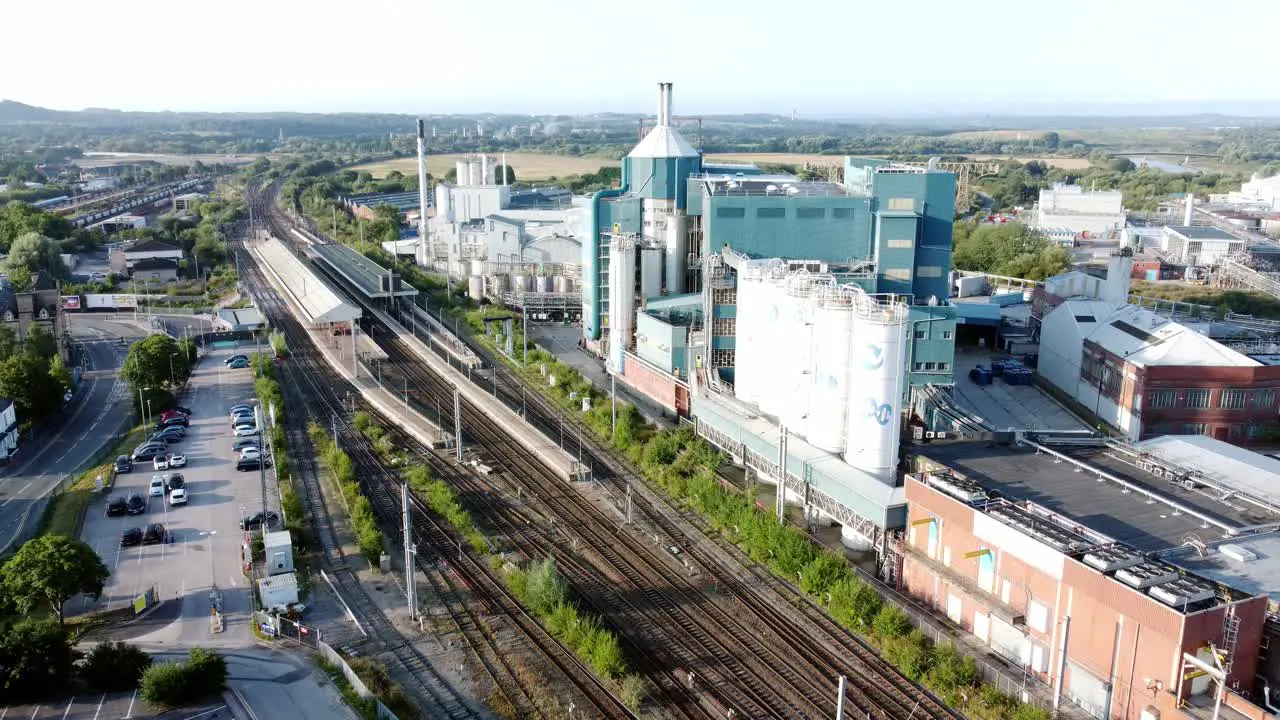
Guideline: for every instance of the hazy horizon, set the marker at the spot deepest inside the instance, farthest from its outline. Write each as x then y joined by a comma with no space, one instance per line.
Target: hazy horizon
832,60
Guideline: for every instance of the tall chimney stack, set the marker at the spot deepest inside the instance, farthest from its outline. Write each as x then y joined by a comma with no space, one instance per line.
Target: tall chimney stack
1191,205
422,192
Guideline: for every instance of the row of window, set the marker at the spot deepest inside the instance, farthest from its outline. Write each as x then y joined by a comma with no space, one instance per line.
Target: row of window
931,367
774,213
1235,431
924,334
1202,398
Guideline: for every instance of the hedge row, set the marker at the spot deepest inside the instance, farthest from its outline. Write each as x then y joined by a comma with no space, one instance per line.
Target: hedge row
368,537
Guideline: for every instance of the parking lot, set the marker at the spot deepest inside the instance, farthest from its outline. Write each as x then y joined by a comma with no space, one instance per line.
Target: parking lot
1007,406
202,553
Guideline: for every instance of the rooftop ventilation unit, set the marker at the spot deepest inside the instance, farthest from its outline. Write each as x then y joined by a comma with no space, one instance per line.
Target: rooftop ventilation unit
1038,528
1239,553
1111,559
1183,591
959,488
1147,574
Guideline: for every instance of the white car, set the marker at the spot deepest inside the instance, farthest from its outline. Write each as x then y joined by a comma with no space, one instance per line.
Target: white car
157,487
246,431
251,453
177,461
161,462
178,496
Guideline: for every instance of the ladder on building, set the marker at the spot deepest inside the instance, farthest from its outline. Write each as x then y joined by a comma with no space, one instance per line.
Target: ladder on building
1230,631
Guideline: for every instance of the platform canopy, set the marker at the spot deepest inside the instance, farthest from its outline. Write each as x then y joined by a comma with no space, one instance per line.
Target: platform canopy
322,303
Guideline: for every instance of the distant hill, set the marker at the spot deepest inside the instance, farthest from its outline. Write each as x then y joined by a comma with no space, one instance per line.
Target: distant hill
12,112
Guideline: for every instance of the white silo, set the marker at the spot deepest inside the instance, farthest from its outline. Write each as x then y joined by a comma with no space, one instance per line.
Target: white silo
520,283
875,382
475,287
832,343
770,351
795,332
622,299
650,272
677,252
747,325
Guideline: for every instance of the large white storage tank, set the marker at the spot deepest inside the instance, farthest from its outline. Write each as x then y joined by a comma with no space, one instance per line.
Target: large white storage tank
650,273
771,354
832,344
875,381
520,283
676,252
622,299
747,325
475,287
796,333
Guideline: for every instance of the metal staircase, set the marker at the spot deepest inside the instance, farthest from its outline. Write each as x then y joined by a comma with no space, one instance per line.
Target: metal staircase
1234,273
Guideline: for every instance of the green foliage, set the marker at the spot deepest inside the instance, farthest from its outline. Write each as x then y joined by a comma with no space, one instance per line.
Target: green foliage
855,604
157,361
114,666
35,391
18,219
375,678
890,622
52,569
1248,302
35,253
951,671
369,537
366,708
910,653
37,659
173,684
541,589
1012,249
276,338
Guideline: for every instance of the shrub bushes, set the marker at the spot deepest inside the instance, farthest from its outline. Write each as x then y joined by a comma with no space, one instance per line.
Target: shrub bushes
174,684
114,666
363,523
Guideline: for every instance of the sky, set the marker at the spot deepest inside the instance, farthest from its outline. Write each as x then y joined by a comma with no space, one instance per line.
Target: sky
818,57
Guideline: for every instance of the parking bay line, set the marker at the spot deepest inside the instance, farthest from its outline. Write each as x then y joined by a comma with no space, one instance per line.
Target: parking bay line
68,710
101,700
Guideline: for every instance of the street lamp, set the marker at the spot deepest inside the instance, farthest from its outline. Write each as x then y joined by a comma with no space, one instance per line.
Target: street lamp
141,412
150,417
172,377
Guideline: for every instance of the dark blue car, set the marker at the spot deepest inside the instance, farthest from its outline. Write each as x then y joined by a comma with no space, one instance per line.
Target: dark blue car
238,364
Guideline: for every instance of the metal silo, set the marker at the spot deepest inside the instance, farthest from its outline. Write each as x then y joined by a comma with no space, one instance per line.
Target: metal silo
676,252
771,353
622,298
746,327
520,283
832,342
795,332
475,287
875,380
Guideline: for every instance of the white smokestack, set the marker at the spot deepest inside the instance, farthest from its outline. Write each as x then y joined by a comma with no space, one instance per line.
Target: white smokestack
422,192
666,104
1191,205
662,101
504,168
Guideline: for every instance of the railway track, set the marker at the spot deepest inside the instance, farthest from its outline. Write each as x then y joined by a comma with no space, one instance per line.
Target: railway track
749,654
383,489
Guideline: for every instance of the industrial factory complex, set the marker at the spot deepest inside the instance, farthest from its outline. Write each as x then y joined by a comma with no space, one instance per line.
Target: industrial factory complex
808,329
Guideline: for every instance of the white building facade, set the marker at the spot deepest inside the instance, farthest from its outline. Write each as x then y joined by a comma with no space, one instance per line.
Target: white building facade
1093,213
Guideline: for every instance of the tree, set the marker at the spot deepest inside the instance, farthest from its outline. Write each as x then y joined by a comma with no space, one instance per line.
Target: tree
114,666
36,253
20,278
26,380
53,569
1121,164
37,659
204,672
1051,140
40,343
507,170
1012,249
148,363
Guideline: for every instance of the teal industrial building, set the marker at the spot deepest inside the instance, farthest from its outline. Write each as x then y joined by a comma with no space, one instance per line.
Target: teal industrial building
659,290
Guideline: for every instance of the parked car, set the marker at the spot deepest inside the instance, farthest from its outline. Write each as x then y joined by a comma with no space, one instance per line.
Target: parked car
154,535
131,537
169,438
160,462
157,486
178,496
124,464
136,505
174,429
251,453
173,481
255,520
117,506
246,465
184,410
242,443
236,358
239,363
177,461
170,414
246,431
236,409
180,420
149,450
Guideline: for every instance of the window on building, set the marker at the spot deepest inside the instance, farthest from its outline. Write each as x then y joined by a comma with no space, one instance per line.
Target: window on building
1264,398
947,334
944,367
917,366
1161,399
731,212
1038,616
922,334
901,244
1197,398
1231,399
1192,429
771,213
930,366
907,204
842,213
929,271
898,273
811,213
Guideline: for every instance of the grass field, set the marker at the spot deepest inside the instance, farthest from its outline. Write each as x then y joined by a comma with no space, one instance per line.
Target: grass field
528,166
92,160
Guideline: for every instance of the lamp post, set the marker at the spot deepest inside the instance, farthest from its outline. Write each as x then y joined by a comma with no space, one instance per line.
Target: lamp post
172,377
149,416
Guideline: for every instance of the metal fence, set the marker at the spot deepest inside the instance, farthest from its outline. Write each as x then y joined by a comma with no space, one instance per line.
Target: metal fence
356,683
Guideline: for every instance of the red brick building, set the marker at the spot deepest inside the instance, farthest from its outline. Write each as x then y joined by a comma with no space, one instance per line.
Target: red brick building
1069,588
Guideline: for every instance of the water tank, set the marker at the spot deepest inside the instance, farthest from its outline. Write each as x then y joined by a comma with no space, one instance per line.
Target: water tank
650,273
561,284
475,287
520,283
875,382
832,342
622,302
477,266
542,283
498,283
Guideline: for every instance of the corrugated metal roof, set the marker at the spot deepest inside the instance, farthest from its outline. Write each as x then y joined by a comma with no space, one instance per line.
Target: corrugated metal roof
319,301
1147,339
1219,461
1202,232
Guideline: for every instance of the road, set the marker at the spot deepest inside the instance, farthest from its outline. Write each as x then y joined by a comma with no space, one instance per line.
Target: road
99,410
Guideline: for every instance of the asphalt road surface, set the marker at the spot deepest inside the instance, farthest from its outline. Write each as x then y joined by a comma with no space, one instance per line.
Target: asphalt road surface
98,411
